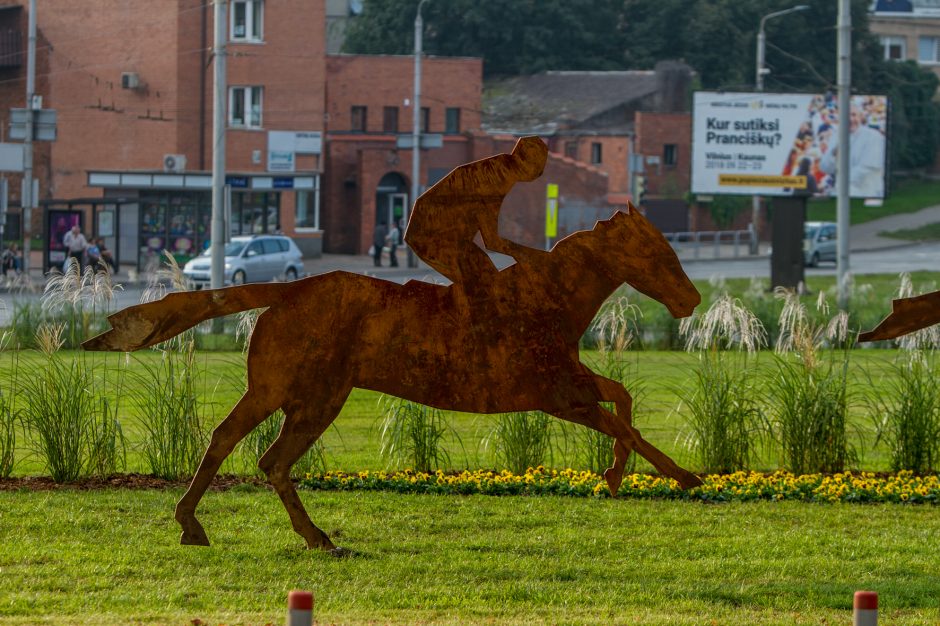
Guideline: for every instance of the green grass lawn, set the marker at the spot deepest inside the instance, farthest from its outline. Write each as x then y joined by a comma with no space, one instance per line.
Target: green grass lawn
112,557
929,232
907,196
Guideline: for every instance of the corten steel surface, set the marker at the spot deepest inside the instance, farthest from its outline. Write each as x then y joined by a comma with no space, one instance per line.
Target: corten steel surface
493,341
907,316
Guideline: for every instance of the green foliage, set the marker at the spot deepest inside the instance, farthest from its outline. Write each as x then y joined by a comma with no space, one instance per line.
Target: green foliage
724,416
171,420
521,440
810,413
907,413
512,37
8,423
413,435
73,428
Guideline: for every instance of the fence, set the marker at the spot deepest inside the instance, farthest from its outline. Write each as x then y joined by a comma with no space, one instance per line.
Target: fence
721,243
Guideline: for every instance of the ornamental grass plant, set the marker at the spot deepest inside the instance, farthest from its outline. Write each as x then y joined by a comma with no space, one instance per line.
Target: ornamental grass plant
907,413
72,423
522,439
809,391
724,419
413,435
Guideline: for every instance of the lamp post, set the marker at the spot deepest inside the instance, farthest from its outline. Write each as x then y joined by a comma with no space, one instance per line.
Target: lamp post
759,83
416,126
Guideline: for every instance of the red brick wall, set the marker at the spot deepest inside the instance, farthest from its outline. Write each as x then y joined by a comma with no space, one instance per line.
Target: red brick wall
653,131
355,164
377,81
615,151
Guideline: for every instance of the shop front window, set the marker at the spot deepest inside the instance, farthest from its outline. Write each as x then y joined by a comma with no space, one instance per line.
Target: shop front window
308,211
255,213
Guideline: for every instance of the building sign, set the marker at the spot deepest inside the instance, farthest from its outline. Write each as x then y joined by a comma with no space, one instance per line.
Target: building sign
284,145
785,144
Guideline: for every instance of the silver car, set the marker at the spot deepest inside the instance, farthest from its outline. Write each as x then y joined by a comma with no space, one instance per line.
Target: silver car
250,259
819,243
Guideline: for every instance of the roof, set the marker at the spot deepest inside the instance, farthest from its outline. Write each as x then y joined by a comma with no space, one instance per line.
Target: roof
551,101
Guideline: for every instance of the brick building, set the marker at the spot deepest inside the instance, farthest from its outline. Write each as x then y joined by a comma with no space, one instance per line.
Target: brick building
134,103
609,120
368,179
311,138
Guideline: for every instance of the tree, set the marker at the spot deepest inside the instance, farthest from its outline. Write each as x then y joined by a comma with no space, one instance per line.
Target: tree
513,36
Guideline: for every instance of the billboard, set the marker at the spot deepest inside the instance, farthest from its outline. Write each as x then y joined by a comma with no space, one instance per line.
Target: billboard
785,144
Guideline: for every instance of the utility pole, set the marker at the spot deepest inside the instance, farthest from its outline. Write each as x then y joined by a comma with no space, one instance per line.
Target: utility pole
759,84
843,175
27,199
219,87
416,125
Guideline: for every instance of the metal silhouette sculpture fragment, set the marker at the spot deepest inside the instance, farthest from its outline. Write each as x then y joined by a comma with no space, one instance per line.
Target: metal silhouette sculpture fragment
493,341
907,315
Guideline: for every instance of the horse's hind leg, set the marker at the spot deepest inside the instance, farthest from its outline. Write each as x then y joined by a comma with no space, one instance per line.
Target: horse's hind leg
305,421
248,413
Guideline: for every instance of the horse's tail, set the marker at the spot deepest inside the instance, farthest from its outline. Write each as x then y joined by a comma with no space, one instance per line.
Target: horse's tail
144,325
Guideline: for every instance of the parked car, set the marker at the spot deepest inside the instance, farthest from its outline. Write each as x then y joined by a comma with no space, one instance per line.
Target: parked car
819,243
250,259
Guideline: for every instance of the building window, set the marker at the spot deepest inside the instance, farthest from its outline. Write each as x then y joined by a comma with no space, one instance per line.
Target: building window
244,107
597,156
452,120
928,49
895,48
390,119
670,155
571,149
307,211
425,119
357,119
247,19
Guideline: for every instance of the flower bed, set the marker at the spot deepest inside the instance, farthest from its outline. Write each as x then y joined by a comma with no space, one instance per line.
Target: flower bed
740,486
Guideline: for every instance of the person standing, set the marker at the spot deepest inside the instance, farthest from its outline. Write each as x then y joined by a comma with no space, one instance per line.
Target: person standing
75,244
378,241
394,236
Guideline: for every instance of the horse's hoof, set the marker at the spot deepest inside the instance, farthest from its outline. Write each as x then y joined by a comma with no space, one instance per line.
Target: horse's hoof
688,480
340,553
194,537
614,480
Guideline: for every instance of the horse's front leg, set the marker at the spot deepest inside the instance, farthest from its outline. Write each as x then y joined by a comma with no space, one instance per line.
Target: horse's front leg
612,391
248,413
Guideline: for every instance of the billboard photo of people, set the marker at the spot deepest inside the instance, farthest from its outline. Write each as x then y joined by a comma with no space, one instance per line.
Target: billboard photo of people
815,151
786,144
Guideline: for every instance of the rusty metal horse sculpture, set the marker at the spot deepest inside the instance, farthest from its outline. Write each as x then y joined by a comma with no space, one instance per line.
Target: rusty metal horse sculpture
492,341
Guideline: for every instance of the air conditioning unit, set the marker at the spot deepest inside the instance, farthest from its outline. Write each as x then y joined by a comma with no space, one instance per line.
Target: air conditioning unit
130,80
175,163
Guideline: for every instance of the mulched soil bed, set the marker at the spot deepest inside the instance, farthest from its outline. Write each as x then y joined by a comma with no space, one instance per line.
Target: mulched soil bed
122,481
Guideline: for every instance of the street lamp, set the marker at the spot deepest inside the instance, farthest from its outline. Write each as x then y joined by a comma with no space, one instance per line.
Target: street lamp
759,83
416,125
762,41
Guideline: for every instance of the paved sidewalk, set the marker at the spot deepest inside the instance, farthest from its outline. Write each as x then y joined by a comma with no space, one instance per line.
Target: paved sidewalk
865,236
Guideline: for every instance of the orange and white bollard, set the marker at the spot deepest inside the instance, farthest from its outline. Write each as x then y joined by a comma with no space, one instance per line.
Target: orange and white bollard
865,609
299,608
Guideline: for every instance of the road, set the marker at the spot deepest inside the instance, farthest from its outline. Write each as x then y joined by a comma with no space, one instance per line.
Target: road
891,261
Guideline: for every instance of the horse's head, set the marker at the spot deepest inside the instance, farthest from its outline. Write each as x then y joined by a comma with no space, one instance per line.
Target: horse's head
637,253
